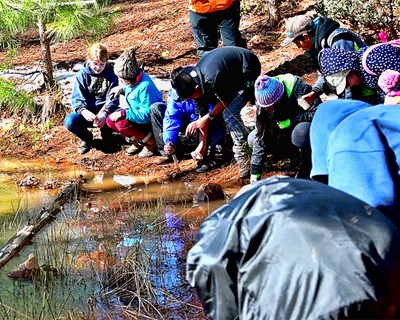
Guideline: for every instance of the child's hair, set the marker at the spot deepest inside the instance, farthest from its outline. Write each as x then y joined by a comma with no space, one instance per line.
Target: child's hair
183,81
98,51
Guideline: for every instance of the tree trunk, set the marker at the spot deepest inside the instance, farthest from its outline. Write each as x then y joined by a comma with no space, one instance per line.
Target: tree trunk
49,104
274,13
46,56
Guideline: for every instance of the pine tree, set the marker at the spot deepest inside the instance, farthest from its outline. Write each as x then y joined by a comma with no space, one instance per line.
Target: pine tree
55,20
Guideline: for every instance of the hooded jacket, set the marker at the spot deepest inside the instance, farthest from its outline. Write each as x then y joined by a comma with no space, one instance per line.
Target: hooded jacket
179,114
91,90
326,119
139,98
363,157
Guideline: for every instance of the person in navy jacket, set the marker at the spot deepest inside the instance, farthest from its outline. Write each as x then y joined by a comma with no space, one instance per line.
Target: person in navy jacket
91,101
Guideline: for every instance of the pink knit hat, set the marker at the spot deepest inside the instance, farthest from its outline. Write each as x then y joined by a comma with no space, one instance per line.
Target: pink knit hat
389,82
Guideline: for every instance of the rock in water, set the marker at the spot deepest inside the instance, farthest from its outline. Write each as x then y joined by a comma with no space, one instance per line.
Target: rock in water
26,269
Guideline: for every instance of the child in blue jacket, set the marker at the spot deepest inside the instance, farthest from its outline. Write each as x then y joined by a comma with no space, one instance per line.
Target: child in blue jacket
140,92
169,122
91,99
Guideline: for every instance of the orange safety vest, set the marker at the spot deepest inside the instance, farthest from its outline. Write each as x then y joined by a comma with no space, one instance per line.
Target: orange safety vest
208,6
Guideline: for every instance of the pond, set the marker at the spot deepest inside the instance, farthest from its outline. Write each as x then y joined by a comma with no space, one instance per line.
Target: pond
117,251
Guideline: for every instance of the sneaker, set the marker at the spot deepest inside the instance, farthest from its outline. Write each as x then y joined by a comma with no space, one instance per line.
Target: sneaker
146,153
204,167
84,147
133,149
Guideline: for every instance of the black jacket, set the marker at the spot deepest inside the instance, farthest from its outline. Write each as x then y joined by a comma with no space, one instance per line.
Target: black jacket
289,248
225,71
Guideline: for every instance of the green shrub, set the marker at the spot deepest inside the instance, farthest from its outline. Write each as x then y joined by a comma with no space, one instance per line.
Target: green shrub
364,15
258,7
16,101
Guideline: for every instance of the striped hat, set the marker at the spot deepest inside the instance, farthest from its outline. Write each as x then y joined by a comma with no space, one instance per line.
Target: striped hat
268,91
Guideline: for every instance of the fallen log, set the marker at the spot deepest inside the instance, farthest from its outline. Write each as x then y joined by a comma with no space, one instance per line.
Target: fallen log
24,237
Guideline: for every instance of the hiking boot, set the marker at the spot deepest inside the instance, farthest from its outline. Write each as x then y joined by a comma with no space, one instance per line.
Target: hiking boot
84,147
134,148
204,167
145,153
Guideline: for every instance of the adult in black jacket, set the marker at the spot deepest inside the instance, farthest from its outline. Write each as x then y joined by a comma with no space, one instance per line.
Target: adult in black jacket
224,78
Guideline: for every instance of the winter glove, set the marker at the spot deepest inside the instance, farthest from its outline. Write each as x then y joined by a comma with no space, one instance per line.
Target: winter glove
255,177
169,148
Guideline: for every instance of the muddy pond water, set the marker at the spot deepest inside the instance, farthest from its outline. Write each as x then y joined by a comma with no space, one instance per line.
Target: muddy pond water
118,249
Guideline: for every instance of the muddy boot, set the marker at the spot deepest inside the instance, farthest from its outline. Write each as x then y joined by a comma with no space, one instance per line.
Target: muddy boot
84,147
150,147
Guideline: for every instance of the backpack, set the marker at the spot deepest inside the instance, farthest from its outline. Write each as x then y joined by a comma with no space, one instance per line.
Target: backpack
342,33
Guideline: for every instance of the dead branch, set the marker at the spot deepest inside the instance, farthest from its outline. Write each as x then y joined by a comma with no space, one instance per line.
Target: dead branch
24,237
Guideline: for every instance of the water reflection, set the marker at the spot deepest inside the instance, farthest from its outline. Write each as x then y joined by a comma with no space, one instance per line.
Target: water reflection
14,198
103,220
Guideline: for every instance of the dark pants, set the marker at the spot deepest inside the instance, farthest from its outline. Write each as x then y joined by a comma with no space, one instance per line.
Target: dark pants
78,125
207,27
216,135
157,112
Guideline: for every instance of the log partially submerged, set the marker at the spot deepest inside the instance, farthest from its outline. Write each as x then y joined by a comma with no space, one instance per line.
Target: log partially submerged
24,237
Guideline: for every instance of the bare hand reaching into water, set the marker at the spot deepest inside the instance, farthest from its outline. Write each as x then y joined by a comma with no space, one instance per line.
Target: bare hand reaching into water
169,148
191,128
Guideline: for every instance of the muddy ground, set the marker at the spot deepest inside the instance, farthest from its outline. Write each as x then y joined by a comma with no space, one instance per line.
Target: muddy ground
160,31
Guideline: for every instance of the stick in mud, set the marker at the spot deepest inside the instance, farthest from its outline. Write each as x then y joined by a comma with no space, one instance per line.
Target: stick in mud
176,163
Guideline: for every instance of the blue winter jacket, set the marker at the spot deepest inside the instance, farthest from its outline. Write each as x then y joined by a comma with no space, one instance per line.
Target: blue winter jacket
180,113
177,116
139,98
363,157
90,90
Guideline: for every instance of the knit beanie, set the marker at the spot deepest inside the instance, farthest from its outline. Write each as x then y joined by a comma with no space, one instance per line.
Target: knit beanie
389,82
268,90
126,66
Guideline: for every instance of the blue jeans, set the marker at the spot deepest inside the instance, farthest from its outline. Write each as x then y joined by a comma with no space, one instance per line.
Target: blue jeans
78,125
205,28
238,132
